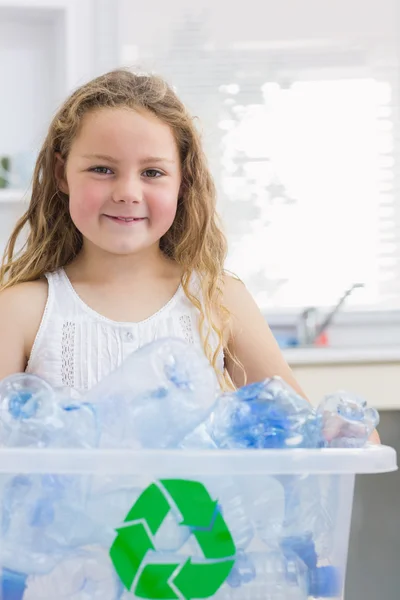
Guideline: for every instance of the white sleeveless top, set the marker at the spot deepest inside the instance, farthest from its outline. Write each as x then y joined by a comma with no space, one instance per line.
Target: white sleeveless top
76,347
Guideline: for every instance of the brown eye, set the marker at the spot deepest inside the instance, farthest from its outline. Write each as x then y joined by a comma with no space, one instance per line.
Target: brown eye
101,170
152,173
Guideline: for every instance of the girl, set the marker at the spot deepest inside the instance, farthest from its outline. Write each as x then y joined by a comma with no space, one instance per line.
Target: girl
124,246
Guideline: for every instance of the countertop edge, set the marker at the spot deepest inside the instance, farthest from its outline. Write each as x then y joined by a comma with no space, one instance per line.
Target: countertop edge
332,356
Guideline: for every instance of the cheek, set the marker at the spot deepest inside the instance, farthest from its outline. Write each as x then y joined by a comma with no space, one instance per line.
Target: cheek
85,202
163,207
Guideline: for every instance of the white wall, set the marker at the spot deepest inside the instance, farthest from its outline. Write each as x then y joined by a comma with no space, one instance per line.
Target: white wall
9,214
269,20
306,19
26,69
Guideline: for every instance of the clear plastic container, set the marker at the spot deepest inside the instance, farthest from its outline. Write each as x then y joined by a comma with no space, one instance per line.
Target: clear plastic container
117,525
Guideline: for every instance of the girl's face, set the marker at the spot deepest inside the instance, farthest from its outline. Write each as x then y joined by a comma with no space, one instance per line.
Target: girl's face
123,177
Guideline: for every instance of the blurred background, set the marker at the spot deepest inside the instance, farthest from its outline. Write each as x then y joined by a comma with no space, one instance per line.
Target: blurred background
298,102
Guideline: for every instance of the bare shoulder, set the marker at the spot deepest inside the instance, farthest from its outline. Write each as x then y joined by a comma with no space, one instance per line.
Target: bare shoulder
235,292
240,303
21,311
24,299
251,340
246,317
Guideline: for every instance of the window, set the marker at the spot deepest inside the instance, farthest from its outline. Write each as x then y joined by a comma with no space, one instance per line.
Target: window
303,141
307,180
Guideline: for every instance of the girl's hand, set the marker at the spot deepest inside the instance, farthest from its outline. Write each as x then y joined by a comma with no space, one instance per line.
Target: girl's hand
374,438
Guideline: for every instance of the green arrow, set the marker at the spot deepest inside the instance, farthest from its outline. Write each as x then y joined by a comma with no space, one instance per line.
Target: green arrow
151,506
216,542
202,580
128,550
193,501
199,511
153,582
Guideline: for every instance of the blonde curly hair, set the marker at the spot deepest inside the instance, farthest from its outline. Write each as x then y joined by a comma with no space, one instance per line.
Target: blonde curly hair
195,240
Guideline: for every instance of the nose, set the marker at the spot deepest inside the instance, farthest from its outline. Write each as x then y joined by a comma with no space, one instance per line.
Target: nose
128,190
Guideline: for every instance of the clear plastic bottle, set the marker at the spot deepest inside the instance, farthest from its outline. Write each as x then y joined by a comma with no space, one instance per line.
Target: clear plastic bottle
347,421
33,414
156,397
264,500
85,576
276,576
37,529
267,414
227,491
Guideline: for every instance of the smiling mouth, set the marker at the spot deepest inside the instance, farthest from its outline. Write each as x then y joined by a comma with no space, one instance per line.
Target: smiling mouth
125,219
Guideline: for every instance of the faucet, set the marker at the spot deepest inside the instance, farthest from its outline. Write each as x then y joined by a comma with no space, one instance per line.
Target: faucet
309,328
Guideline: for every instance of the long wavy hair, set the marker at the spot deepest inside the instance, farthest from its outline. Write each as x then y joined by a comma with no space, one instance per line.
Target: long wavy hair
195,240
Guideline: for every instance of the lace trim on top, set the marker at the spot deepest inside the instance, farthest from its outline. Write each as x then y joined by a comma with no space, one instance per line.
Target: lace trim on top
67,354
186,324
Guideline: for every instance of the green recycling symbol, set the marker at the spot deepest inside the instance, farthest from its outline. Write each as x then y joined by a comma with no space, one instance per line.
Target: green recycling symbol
189,580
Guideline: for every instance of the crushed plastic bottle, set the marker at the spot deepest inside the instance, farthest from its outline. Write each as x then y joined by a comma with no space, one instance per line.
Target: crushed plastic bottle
268,414
277,576
243,570
159,394
347,421
107,503
310,510
88,576
264,501
302,545
33,414
227,490
233,509
43,521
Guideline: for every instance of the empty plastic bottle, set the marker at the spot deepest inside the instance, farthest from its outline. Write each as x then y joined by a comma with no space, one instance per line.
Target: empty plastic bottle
160,393
310,510
32,413
88,576
268,414
264,501
347,421
276,576
228,492
38,530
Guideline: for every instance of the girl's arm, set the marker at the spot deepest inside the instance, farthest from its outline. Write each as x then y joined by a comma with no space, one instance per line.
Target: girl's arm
21,310
252,341
12,339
